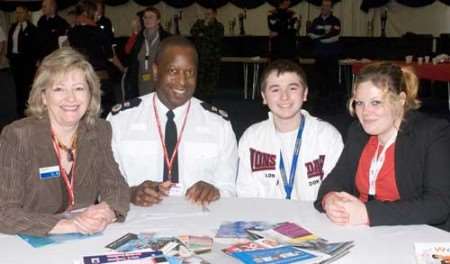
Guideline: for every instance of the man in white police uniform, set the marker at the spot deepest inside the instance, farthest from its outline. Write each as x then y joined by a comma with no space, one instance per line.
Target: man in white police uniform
170,143
288,155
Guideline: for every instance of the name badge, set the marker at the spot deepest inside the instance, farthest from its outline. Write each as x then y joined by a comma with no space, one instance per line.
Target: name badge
146,77
176,190
47,173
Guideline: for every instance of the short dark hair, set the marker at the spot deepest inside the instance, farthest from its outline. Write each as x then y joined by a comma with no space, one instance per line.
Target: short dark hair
89,7
175,41
152,9
281,66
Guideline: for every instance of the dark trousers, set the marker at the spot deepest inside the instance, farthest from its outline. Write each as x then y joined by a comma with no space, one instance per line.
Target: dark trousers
23,69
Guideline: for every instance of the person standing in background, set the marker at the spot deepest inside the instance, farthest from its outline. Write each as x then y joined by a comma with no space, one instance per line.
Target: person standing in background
91,41
139,80
103,22
22,55
7,85
325,31
282,25
50,27
207,35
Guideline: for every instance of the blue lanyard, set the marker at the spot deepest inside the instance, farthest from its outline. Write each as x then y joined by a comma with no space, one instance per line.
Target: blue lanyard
288,186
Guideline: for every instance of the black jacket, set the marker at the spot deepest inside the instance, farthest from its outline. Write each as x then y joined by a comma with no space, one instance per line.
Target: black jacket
49,30
422,170
27,41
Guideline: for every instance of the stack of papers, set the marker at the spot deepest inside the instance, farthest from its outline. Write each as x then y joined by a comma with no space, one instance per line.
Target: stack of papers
285,242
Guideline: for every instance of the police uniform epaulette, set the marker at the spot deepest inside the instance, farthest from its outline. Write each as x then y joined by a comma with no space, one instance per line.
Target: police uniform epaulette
126,105
215,110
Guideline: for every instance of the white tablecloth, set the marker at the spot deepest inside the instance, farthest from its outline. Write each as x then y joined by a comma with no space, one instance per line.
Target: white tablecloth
175,216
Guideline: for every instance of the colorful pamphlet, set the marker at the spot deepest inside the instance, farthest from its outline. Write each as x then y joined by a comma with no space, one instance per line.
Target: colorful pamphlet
238,229
197,244
147,257
248,246
37,242
184,247
132,242
286,232
432,253
277,255
322,245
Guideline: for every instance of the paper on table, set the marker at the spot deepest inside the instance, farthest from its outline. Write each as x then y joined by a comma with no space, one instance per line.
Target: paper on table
170,207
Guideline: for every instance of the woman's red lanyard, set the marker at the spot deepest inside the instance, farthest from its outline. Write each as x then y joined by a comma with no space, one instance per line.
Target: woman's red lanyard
169,162
68,183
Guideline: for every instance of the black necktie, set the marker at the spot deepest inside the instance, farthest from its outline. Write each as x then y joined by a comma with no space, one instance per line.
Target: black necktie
170,140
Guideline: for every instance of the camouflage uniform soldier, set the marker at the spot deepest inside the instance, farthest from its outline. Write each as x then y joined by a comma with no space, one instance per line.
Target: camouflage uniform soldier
207,35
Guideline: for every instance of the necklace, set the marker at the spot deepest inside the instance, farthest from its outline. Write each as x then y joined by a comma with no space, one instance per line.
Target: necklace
69,150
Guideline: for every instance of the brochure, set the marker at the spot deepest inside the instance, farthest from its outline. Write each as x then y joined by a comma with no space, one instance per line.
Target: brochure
197,244
432,253
277,255
238,229
184,247
37,242
248,246
152,257
286,232
322,245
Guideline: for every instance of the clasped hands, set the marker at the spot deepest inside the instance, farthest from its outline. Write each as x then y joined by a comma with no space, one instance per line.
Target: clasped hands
93,219
149,193
345,209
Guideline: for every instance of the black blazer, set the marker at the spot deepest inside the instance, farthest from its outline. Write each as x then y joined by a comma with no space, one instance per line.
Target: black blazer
422,170
27,41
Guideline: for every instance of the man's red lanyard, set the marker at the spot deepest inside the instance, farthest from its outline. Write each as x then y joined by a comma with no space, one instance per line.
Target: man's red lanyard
68,183
169,162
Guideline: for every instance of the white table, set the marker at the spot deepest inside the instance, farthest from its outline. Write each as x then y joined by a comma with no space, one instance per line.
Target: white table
175,216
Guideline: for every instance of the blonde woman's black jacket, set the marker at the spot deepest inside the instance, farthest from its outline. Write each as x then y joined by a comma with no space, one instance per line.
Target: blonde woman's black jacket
422,170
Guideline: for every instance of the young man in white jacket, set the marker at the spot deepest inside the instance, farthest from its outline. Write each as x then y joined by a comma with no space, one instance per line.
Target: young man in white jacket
288,155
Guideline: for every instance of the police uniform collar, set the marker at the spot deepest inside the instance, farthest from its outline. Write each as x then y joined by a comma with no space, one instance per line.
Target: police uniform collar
162,109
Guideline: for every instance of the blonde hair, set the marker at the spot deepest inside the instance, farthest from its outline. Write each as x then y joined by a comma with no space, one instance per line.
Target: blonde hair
55,65
393,80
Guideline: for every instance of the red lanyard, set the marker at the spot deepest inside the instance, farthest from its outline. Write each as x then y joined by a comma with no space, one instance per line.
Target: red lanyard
68,183
169,162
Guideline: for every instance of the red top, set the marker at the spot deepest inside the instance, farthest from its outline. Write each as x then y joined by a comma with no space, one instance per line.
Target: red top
386,186
130,43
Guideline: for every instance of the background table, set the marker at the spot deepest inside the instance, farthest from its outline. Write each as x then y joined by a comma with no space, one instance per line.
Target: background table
175,216
427,71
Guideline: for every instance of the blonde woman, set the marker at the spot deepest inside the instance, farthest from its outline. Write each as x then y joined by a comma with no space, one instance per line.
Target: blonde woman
59,158
395,166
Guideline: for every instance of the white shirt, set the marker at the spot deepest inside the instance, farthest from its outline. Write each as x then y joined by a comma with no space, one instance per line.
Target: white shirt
207,151
15,37
259,159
